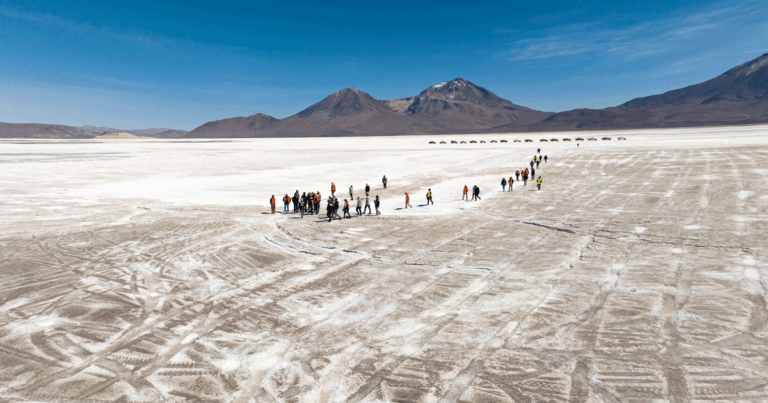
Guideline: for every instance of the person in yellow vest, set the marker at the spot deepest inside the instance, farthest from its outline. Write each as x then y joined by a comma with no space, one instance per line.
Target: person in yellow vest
538,183
466,191
429,197
272,203
407,200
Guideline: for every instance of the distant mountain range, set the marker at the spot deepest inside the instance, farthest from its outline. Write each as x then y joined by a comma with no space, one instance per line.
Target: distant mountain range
102,130
44,131
739,96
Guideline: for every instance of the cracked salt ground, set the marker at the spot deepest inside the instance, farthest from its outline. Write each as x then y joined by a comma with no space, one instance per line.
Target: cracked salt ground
637,274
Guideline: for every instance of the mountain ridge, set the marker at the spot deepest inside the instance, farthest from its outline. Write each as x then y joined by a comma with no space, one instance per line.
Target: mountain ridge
737,97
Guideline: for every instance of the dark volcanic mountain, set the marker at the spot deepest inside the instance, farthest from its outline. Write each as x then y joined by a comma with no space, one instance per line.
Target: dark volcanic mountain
459,106
43,131
456,106
739,96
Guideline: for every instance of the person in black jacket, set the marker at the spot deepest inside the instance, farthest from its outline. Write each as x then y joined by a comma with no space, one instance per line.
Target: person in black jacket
376,204
367,189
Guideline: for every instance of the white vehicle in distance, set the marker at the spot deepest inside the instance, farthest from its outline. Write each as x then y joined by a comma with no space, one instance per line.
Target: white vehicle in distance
621,138
518,141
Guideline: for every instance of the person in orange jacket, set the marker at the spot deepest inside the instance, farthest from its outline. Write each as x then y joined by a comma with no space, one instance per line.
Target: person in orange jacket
509,183
466,191
272,203
286,203
407,200
333,189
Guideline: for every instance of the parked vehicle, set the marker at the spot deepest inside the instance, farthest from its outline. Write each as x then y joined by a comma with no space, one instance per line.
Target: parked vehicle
554,140
431,142
503,141
482,141
606,138
442,142
518,141
494,141
544,140
592,139
566,139
528,141
579,139
454,142
472,142
463,142
621,138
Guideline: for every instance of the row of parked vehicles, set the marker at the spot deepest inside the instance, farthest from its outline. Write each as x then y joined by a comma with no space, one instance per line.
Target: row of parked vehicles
526,140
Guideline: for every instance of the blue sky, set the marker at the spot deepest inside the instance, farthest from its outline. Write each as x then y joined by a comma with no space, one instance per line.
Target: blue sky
139,64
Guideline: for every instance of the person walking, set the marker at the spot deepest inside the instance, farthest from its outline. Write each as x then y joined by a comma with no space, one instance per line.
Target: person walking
336,208
286,203
384,181
367,189
302,204
346,209
329,209
533,174
531,164
272,203
534,158
517,175
477,192
429,197
525,177
538,151
537,162
538,183
377,203
359,208
318,200
367,205
333,189
465,195
510,182
545,158
503,184
350,193
295,200
407,201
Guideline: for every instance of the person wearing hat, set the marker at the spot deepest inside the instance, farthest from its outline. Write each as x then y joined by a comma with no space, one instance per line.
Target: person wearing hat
429,197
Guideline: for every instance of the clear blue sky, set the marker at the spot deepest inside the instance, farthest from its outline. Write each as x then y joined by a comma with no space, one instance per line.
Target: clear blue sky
138,64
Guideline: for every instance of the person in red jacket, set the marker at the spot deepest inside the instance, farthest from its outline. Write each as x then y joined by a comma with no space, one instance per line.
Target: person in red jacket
333,189
407,200
466,191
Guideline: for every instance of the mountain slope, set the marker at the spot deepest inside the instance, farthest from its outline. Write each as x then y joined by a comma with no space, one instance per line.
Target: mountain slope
234,127
738,96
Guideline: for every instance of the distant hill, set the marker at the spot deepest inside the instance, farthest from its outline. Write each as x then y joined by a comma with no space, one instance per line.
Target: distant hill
42,131
142,132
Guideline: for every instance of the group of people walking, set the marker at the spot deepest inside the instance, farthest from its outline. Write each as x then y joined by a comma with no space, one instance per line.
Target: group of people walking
526,173
309,203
